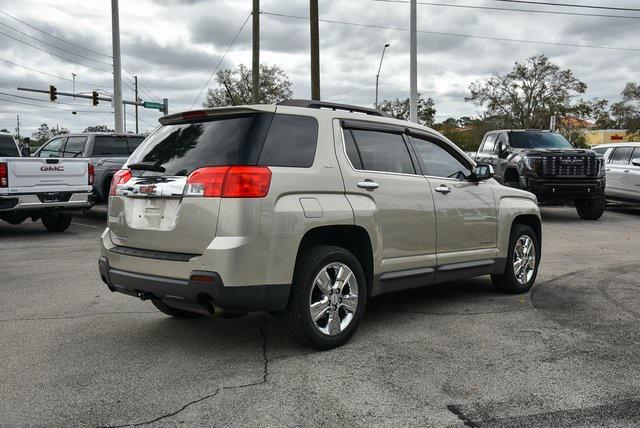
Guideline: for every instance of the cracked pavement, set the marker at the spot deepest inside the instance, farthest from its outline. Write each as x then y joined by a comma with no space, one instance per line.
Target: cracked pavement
459,354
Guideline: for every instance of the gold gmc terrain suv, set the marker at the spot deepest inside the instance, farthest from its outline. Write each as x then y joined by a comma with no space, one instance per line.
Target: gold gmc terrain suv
306,210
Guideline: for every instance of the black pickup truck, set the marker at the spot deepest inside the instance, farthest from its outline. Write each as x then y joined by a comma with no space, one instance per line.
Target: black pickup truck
547,165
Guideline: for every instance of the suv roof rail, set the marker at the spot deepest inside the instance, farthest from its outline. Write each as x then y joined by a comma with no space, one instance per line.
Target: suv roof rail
332,106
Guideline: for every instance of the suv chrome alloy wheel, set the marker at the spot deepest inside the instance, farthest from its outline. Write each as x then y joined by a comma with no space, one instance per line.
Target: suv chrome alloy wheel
334,299
524,259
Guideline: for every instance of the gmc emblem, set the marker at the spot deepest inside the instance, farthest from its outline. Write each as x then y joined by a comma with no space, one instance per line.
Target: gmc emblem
58,168
575,162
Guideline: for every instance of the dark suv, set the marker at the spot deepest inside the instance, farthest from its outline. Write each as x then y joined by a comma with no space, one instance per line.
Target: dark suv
547,165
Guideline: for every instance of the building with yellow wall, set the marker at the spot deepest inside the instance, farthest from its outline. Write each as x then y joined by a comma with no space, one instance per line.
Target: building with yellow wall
606,136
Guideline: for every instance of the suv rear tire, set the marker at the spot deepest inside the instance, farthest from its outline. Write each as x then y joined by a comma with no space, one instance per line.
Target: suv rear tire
591,209
519,275
328,298
171,311
56,221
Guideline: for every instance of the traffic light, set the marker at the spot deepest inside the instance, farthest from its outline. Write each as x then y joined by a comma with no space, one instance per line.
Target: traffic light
94,98
53,93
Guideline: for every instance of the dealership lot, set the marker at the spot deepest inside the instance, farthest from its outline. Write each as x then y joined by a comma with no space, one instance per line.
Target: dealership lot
74,353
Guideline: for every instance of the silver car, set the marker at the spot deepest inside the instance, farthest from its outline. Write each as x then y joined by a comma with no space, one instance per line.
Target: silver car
622,165
307,209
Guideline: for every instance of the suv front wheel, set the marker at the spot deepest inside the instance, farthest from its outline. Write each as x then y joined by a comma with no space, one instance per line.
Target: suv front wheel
523,260
328,298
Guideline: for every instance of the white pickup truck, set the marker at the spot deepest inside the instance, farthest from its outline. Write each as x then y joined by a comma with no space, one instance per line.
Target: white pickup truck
41,188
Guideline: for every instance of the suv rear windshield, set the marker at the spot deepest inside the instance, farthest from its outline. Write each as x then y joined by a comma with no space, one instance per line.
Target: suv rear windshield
241,139
538,140
108,145
8,146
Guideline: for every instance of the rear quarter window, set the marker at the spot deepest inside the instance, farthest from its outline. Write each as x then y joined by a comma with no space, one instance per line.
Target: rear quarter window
8,147
291,142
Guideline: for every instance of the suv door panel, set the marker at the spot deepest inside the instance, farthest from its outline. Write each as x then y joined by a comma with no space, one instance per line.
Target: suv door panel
402,206
466,214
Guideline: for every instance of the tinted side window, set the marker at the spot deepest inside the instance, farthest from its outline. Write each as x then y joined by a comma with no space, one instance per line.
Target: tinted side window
489,144
352,150
622,155
636,154
381,151
436,161
291,141
52,149
600,150
8,146
134,142
110,146
74,147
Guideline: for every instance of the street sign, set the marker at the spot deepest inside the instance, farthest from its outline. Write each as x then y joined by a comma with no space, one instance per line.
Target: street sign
156,106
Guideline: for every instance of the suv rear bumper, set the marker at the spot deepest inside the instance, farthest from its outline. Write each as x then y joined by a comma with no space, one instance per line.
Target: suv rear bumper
558,189
193,295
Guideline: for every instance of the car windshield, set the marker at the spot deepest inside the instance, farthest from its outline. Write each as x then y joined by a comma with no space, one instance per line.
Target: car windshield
8,146
538,140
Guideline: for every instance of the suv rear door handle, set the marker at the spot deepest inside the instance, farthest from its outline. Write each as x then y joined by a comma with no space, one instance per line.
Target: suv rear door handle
442,189
368,184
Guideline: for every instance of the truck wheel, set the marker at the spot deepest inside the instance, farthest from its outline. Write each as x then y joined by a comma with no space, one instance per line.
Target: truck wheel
328,298
591,209
55,221
523,260
174,312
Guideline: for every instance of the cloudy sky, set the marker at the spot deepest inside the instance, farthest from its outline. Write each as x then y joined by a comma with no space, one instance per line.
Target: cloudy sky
174,45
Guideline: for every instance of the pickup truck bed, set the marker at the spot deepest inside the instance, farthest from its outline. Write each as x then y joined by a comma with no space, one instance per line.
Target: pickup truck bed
44,188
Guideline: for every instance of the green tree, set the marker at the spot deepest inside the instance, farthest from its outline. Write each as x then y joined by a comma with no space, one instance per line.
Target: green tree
626,113
530,94
400,109
44,132
234,87
98,128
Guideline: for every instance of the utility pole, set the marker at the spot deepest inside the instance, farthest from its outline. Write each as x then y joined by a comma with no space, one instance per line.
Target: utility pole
413,68
18,126
135,82
255,69
315,50
73,75
117,72
165,106
124,117
378,75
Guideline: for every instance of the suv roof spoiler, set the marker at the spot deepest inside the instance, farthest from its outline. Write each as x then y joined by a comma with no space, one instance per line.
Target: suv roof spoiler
332,106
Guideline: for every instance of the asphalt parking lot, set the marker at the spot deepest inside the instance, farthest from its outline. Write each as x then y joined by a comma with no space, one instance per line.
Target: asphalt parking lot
568,353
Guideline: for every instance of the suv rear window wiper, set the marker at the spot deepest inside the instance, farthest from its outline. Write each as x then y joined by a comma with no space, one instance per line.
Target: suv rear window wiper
146,166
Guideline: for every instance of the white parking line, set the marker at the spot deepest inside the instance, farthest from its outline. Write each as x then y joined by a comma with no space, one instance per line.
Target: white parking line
86,225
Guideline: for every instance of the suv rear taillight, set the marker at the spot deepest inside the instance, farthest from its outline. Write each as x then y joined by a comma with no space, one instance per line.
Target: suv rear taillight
4,175
120,177
92,173
229,182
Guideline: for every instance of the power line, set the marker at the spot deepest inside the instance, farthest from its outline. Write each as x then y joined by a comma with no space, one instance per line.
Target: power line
507,9
473,36
584,6
142,120
54,46
221,59
351,90
94,85
54,54
55,37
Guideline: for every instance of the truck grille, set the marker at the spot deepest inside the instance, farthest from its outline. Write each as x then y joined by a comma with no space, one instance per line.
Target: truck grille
570,166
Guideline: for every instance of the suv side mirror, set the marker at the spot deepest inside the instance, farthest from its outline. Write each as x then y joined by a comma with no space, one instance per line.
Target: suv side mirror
26,152
636,162
482,171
